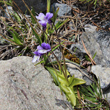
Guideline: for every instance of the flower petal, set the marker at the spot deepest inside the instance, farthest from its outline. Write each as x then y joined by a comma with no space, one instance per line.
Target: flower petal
41,16
39,47
48,50
37,53
49,15
43,23
43,51
45,46
35,58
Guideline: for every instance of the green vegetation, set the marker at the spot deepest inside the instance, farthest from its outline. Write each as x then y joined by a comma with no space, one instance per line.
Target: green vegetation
27,33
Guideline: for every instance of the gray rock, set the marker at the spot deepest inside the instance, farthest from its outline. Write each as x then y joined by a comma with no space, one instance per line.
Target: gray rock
64,9
107,96
75,72
103,73
38,5
90,28
24,86
106,25
95,42
2,41
103,38
8,12
106,93
57,53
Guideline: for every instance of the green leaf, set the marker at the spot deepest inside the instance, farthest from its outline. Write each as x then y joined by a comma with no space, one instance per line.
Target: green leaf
37,36
65,89
91,99
8,39
56,47
59,24
54,14
62,80
77,81
72,97
70,80
16,38
8,3
33,14
54,73
17,17
90,90
48,5
40,62
94,55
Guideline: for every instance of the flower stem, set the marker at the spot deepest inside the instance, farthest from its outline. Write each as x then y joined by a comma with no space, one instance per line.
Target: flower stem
48,5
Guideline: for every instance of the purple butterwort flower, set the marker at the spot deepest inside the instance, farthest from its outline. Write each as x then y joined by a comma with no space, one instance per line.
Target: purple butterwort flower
44,19
43,23
44,48
36,56
49,15
39,47
41,16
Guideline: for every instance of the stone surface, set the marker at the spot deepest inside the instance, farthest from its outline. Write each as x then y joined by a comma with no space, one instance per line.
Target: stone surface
8,11
64,9
103,38
108,97
106,93
38,5
103,73
96,42
24,86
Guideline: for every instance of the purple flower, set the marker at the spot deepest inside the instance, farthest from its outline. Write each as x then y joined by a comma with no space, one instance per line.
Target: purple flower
44,48
36,56
49,15
41,16
44,19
